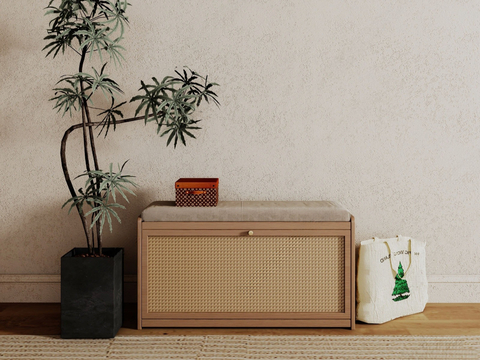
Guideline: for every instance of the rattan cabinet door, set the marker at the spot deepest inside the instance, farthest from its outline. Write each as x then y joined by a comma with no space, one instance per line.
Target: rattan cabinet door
217,275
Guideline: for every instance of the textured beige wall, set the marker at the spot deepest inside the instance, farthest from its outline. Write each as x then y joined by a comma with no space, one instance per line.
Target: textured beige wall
374,104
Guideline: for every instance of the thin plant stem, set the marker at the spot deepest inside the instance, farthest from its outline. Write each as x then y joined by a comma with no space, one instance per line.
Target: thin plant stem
87,120
66,174
85,140
68,180
95,163
93,234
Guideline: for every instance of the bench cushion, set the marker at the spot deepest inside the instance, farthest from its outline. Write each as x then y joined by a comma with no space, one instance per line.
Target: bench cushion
249,211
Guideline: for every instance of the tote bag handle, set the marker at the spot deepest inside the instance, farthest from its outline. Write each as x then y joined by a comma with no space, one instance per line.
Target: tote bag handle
409,255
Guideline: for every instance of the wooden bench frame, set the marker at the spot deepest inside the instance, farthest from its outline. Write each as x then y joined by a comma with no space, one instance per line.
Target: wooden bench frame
271,319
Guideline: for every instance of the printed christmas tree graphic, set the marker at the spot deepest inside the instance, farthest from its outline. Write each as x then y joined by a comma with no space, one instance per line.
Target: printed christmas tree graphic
401,290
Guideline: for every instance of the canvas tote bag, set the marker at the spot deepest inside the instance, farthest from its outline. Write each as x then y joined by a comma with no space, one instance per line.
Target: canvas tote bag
391,279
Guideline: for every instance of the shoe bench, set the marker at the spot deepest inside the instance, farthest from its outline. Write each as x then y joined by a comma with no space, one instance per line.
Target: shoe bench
246,264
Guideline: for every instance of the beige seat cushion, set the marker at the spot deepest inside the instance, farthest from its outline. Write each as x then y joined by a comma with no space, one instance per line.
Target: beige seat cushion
249,211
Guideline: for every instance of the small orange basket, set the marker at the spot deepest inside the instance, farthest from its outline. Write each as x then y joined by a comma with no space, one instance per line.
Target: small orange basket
196,192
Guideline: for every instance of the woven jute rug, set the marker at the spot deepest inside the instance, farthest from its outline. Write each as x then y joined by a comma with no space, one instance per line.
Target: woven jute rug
243,347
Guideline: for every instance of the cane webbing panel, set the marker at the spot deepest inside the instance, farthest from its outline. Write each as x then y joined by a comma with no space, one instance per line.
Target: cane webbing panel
246,274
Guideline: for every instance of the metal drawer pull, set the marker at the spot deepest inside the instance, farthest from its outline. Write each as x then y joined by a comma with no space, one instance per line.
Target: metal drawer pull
250,233
195,192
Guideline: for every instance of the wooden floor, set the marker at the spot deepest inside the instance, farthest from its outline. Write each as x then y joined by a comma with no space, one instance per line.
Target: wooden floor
437,319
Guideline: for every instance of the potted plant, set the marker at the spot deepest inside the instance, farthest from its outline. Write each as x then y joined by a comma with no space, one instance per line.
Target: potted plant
92,277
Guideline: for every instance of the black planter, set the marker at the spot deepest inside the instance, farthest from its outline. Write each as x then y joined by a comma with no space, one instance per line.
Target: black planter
92,294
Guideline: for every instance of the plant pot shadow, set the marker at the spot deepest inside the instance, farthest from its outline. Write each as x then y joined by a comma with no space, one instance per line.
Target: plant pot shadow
34,241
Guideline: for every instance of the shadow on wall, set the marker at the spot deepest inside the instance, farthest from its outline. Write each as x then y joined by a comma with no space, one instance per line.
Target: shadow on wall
125,234
33,242
11,40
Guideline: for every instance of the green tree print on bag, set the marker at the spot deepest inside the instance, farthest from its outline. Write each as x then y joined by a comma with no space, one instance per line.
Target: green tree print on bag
401,290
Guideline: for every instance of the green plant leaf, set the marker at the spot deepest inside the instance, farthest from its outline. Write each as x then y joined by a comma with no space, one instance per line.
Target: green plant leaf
189,133
113,49
104,211
115,15
100,81
95,37
171,135
172,102
110,117
100,185
68,98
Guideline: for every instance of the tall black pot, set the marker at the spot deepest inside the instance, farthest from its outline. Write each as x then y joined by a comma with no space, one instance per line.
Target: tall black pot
92,294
